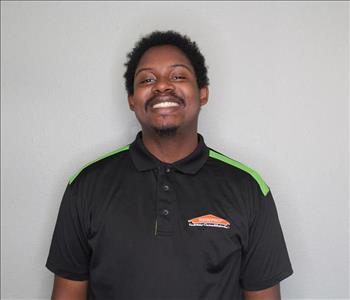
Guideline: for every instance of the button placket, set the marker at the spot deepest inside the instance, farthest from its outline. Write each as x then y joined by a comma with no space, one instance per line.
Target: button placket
166,198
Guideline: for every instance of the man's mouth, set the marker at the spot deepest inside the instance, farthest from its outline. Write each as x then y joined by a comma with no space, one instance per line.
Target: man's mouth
160,102
166,104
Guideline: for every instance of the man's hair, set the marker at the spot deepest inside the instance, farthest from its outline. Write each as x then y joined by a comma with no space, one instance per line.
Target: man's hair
159,38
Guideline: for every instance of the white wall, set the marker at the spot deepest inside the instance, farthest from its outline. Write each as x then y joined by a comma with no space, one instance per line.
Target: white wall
278,102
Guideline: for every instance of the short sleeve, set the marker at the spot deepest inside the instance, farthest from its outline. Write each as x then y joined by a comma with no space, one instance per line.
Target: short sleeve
265,261
69,251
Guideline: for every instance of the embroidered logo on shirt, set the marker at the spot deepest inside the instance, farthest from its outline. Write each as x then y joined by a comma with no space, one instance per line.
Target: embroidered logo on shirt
210,221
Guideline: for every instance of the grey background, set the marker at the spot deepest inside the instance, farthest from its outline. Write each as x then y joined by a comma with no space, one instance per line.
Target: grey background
278,102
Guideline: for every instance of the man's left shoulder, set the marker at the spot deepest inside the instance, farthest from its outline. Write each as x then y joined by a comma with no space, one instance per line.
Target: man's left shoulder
238,168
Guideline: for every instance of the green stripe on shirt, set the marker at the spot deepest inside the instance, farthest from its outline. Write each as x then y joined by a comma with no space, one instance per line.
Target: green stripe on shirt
71,179
263,186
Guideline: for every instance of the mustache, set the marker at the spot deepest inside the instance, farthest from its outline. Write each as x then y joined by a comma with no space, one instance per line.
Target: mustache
171,97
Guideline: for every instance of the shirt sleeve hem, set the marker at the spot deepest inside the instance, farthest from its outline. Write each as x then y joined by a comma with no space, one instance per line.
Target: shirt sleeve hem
66,273
256,286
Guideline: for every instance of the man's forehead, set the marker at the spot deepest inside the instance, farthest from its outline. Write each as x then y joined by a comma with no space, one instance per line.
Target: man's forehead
141,69
164,55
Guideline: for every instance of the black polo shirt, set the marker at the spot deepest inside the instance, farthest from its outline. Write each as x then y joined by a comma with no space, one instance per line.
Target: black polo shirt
205,227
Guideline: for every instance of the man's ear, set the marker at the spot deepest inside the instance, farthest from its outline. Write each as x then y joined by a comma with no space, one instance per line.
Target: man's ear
131,102
203,95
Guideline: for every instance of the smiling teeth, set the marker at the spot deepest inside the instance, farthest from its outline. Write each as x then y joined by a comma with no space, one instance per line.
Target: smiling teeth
165,104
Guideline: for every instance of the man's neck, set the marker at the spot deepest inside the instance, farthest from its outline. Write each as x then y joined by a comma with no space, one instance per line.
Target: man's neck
170,149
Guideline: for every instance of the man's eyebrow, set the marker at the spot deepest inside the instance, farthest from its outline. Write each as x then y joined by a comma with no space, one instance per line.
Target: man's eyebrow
142,69
182,65
172,66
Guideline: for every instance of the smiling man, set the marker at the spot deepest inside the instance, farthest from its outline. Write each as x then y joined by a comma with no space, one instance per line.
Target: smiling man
167,217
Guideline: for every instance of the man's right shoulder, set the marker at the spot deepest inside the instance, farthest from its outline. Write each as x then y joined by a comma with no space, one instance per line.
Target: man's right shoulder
99,162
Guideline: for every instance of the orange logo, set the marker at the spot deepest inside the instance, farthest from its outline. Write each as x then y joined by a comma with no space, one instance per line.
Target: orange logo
210,221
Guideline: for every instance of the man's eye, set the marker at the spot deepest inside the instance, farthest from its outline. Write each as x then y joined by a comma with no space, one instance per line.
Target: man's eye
147,80
178,77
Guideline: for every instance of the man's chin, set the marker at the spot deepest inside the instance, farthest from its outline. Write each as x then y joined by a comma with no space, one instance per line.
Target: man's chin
165,131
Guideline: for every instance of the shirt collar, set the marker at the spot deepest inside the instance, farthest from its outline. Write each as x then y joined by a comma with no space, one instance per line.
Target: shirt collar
191,164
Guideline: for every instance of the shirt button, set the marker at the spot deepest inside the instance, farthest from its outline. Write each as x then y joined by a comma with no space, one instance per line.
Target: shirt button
165,212
165,187
167,170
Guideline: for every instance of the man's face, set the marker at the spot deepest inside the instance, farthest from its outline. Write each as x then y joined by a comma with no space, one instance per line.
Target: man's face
166,95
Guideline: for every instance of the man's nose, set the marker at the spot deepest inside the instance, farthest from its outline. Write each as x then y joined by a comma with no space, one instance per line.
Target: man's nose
163,85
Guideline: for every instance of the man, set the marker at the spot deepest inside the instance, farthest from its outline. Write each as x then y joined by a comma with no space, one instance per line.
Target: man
166,217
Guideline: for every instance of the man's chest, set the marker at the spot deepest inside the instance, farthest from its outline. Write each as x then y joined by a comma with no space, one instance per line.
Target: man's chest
172,229
196,216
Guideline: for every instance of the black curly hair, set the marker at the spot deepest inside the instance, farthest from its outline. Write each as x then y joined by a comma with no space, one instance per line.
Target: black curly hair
158,38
